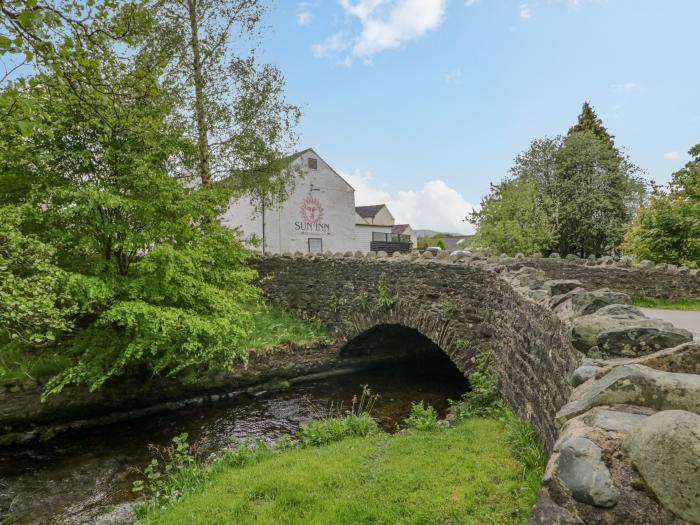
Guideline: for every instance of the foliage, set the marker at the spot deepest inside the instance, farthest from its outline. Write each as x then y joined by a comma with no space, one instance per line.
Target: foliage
483,398
437,240
596,192
667,227
170,474
274,326
408,477
35,306
669,304
144,272
452,307
385,299
422,417
574,194
231,106
17,365
513,219
462,344
526,446
356,422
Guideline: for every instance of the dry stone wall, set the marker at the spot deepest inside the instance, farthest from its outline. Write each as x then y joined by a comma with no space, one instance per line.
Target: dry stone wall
640,280
614,396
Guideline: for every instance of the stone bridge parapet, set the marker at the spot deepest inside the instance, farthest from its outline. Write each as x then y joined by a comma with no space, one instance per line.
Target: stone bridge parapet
613,395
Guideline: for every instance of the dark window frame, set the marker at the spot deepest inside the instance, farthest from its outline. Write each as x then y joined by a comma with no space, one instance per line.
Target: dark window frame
312,163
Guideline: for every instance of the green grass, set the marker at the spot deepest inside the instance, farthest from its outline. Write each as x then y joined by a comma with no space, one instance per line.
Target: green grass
668,304
18,365
277,326
472,473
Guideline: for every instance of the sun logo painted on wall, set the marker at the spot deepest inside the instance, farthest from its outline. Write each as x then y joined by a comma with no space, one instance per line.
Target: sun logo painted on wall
311,210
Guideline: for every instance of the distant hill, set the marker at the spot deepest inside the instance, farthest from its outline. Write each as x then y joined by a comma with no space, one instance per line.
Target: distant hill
433,233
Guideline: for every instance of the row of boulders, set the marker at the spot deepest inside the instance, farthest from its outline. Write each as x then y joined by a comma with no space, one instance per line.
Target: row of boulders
629,443
463,255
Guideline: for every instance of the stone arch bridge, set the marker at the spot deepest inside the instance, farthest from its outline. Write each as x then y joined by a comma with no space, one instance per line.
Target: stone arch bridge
561,353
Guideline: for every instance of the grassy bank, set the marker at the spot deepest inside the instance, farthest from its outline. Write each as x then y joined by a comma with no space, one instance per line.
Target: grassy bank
668,304
474,472
274,326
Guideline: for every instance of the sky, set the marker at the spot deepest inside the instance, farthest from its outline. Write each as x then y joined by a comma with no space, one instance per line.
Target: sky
422,104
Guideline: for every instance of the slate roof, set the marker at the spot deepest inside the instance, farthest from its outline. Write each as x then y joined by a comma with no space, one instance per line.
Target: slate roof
368,212
398,229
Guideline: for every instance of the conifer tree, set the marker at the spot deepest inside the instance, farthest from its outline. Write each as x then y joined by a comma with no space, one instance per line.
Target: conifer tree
588,120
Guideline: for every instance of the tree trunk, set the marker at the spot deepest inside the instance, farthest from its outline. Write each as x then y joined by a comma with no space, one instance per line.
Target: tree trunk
202,132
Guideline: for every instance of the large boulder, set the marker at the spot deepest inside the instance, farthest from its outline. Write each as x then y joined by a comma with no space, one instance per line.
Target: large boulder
665,448
640,338
590,302
586,329
635,385
683,358
583,473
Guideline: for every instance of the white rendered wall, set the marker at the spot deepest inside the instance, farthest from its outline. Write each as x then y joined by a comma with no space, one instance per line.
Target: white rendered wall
321,206
363,235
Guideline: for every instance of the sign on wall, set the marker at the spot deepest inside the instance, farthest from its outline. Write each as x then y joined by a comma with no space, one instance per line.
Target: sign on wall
311,212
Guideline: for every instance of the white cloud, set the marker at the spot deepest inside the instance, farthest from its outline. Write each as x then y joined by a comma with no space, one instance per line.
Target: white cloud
454,76
626,87
526,11
303,14
434,206
672,155
332,45
387,24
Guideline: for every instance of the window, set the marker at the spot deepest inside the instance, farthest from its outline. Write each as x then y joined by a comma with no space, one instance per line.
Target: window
315,245
313,163
380,237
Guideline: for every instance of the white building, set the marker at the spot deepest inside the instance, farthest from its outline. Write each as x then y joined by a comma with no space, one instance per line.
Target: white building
318,216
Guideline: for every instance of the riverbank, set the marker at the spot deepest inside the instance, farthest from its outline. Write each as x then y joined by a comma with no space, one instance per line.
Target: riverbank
473,472
81,475
25,419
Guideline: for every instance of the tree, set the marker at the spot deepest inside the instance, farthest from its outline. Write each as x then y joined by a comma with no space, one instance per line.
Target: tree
34,304
596,192
588,120
233,108
153,281
667,227
571,195
513,218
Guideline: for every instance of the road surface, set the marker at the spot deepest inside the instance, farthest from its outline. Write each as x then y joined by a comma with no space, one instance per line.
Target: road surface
688,319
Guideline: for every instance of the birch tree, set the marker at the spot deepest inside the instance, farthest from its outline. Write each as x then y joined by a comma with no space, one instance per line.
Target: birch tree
233,107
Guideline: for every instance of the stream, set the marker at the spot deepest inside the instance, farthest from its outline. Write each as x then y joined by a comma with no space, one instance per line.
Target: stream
80,475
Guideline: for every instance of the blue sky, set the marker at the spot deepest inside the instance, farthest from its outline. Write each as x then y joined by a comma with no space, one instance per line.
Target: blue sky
424,103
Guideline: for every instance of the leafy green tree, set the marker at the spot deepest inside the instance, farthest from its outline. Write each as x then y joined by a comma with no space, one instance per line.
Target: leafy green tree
667,227
513,218
35,307
154,282
596,191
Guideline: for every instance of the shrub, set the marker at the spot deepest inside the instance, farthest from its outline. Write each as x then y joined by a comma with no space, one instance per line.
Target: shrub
356,422
422,417
483,398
